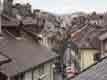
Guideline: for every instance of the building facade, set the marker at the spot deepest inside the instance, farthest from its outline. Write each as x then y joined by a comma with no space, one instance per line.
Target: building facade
42,72
87,57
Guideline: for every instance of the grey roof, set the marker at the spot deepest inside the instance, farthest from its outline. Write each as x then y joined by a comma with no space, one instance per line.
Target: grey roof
9,21
96,72
25,54
103,35
29,20
88,37
95,16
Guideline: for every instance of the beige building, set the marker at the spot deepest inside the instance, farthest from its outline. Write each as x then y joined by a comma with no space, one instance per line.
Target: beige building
87,57
88,44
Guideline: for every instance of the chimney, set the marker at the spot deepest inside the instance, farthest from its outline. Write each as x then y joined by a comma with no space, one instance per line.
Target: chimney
1,10
18,30
15,31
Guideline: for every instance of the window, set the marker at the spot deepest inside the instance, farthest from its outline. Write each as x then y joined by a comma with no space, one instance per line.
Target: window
28,76
105,45
17,77
41,70
97,57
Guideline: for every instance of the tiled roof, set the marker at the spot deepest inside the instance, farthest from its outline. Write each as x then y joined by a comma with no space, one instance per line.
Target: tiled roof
9,21
87,36
96,72
24,53
103,35
29,20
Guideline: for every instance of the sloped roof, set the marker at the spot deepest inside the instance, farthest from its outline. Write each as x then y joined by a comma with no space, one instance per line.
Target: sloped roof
29,20
95,16
25,54
9,21
103,35
96,72
87,36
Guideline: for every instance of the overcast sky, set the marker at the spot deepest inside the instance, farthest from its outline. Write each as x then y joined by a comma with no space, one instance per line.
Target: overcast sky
69,6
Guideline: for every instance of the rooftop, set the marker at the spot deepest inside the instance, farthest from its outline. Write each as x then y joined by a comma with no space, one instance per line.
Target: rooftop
97,71
25,54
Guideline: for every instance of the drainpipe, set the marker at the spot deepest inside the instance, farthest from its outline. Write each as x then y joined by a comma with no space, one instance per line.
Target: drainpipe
0,23
19,18
102,49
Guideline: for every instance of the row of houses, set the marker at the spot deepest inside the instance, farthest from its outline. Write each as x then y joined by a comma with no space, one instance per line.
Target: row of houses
88,33
28,60
91,43
89,38
22,57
